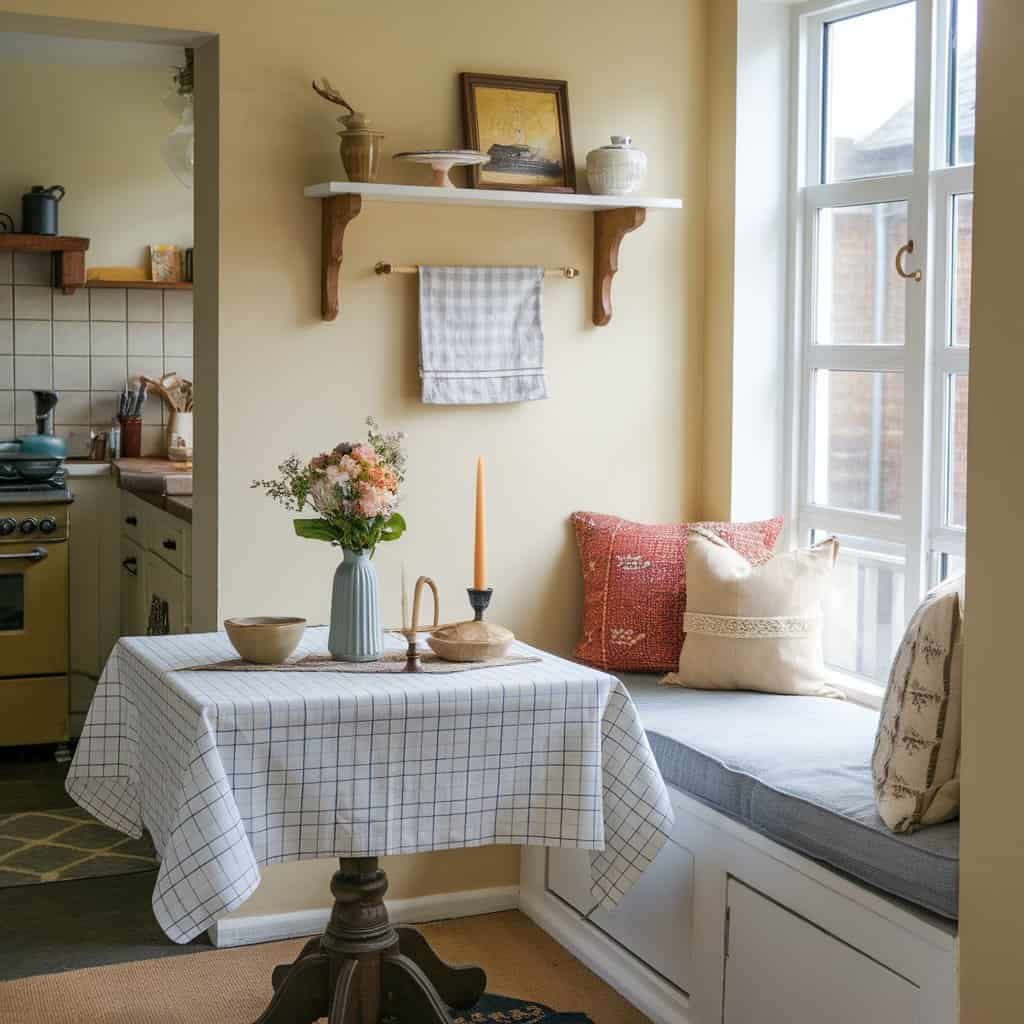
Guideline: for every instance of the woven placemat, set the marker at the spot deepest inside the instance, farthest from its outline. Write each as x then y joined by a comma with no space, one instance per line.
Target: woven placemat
393,661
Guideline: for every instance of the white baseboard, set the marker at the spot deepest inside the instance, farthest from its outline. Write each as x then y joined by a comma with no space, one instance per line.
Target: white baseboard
244,931
631,978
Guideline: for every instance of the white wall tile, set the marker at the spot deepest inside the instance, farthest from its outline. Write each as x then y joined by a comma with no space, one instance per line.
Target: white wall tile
6,336
145,366
154,441
71,373
178,307
108,373
102,408
73,407
145,339
6,372
33,372
178,340
6,302
70,338
78,440
6,268
154,411
146,305
6,409
32,302
33,268
25,408
176,364
33,338
108,339
106,304
71,307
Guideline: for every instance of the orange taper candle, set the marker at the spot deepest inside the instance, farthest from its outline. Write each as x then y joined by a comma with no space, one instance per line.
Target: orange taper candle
480,546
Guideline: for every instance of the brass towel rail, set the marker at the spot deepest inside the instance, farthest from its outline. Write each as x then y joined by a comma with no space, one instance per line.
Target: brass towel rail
394,268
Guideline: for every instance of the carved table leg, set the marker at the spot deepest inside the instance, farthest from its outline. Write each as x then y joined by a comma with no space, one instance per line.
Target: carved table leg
361,968
459,986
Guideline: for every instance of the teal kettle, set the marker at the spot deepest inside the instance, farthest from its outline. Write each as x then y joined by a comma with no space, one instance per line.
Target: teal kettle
43,444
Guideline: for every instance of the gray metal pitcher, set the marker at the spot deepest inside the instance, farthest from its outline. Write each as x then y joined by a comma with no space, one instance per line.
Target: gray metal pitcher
39,210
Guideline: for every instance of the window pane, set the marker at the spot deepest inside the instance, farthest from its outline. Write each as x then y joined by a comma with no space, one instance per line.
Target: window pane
864,612
963,238
956,456
951,565
963,64
869,94
858,440
861,299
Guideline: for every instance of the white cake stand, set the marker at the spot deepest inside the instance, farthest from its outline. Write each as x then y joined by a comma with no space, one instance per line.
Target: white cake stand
443,160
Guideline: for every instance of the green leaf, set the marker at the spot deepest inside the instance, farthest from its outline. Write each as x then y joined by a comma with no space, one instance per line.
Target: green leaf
315,529
393,528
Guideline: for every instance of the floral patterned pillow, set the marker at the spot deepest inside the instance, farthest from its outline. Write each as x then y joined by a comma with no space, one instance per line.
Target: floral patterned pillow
634,586
916,760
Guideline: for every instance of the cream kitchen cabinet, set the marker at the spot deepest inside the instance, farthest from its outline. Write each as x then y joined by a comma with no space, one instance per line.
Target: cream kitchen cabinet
156,569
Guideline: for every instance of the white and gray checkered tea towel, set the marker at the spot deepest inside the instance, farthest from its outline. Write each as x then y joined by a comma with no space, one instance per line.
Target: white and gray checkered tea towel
481,340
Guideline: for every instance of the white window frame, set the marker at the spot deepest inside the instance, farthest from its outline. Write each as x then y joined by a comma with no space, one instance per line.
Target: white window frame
927,359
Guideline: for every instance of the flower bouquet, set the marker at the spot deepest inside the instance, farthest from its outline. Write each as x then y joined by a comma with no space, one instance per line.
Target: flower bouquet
354,489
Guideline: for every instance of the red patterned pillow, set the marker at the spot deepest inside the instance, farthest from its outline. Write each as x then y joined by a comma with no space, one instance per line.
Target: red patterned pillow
634,586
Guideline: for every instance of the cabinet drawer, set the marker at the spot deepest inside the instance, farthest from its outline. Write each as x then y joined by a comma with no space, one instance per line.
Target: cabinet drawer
168,538
135,515
781,968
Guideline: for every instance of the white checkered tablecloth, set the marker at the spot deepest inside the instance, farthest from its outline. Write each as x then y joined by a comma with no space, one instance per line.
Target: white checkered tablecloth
232,770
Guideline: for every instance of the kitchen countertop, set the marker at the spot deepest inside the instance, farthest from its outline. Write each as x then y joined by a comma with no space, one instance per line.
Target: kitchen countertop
159,482
178,505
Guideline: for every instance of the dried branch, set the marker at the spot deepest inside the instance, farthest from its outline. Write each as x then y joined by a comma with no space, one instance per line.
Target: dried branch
329,93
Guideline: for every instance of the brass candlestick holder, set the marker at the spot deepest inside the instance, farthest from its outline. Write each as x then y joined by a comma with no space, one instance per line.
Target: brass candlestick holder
412,631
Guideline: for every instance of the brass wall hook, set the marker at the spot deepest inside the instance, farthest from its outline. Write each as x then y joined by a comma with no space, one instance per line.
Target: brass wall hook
908,248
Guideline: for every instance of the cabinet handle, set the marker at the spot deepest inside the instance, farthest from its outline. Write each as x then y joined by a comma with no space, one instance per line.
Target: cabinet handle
131,566
131,521
170,545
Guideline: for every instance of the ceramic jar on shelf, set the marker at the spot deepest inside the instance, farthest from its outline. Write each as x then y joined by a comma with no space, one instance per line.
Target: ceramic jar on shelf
616,170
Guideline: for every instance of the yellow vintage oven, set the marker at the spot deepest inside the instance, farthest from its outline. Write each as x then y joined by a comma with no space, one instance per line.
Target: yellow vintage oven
33,623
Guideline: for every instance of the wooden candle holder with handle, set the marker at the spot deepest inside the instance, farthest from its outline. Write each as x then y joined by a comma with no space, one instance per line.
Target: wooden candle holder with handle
412,654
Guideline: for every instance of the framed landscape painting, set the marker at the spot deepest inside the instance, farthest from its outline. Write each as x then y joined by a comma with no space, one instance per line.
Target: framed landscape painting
522,124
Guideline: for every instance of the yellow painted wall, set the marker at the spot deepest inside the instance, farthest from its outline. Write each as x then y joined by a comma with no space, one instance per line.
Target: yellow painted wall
96,130
991,882
621,431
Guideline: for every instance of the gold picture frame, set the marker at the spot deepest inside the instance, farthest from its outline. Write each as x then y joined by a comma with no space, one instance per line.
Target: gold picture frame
523,125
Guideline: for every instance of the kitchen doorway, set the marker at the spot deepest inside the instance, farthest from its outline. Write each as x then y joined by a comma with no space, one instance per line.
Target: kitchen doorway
108,277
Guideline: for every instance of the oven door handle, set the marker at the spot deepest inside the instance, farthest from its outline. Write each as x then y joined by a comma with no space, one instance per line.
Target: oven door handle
35,555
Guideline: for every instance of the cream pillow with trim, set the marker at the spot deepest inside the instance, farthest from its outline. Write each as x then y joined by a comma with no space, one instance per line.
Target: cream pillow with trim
755,627
916,761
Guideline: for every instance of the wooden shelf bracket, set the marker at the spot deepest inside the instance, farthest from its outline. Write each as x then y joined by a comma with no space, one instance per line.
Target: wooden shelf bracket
338,211
610,227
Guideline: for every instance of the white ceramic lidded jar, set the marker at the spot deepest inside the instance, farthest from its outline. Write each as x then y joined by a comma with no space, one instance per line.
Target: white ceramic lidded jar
616,170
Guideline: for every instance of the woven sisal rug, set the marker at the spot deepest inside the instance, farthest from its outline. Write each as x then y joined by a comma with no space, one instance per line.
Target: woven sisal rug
232,986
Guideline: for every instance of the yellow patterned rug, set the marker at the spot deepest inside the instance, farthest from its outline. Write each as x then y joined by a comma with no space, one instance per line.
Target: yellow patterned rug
54,846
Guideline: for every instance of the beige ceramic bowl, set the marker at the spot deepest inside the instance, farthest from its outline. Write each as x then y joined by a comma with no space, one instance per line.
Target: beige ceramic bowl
265,640
471,641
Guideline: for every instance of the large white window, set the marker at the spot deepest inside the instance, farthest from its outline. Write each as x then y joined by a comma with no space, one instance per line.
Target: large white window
884,151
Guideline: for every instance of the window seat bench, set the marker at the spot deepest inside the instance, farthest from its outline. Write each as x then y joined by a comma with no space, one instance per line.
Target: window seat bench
798,770
779,896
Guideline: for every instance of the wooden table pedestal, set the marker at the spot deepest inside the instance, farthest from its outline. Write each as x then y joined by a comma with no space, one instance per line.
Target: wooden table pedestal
363,971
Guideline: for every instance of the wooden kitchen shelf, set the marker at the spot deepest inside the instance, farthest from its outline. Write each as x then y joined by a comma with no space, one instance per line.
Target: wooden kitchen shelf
163,285
614,218
67,250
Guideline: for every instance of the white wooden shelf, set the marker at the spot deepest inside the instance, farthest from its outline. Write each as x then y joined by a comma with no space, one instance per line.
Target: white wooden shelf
614,218
486,197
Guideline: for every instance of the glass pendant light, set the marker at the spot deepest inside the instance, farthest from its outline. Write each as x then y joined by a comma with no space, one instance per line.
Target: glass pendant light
179,147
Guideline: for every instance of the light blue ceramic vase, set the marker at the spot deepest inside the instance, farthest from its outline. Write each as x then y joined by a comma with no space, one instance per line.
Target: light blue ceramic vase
355,610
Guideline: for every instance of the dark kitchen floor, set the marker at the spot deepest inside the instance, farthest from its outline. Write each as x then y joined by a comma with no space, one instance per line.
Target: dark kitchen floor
31,780
64,925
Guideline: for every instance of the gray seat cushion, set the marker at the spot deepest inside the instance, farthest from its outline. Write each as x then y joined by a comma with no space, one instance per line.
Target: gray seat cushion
798,770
